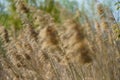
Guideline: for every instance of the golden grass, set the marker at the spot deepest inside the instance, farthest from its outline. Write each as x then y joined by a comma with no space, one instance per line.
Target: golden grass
60,51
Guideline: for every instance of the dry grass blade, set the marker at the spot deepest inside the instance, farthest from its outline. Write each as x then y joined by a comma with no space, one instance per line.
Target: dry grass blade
70,50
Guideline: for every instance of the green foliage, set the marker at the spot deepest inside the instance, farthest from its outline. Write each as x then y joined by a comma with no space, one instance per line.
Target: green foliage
50,7
117,4
10,17
3,14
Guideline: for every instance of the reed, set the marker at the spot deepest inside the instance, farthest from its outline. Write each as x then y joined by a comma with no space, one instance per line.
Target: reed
70,50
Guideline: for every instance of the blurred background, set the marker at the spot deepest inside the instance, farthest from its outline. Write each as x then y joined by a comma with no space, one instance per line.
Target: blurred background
54,7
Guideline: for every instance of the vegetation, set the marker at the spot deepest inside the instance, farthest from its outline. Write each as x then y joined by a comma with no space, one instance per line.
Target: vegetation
56,41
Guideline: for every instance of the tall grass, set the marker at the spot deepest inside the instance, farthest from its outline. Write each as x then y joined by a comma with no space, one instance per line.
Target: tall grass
70,50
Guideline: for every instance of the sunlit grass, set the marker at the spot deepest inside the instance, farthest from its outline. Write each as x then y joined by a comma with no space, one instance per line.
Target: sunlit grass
38,47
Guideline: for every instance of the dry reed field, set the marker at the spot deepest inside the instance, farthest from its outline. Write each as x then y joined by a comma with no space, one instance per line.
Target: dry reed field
70,50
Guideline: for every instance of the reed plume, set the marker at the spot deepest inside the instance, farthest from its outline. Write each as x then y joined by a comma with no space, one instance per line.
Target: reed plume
76,43
47,50
4,34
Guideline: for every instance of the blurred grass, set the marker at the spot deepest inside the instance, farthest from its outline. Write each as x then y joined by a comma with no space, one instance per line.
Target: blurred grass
55,40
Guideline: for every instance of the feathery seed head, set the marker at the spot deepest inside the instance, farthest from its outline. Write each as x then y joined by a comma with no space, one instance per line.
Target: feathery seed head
4,34
104,25
101,12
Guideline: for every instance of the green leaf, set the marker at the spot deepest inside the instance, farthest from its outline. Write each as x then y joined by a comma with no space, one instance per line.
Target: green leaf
117,3
118,7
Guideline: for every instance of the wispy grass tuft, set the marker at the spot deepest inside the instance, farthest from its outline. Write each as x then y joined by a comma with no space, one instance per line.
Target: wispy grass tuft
77,48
